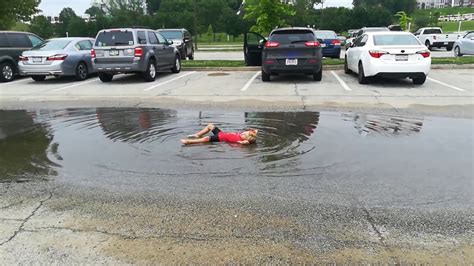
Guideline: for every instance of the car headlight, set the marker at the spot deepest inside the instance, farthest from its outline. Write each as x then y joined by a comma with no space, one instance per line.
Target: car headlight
178,43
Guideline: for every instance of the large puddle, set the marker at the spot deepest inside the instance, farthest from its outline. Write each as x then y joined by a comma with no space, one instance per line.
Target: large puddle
127,147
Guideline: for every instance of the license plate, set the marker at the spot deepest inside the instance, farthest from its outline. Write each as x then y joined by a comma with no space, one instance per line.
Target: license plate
323,45
401,57
113,52
37,59
446,43
291,62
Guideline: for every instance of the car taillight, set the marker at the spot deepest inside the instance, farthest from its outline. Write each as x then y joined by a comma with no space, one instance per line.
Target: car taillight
336,42
424,53
272,44
93,55
312,44
138,52
377,54
57,57
23,58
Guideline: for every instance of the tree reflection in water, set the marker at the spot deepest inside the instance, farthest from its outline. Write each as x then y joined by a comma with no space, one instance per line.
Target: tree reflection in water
282,135
23,148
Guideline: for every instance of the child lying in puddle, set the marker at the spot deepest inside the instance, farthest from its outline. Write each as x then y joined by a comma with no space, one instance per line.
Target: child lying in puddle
245,137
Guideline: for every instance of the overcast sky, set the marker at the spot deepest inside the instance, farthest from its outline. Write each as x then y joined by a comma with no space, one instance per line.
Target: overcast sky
53,7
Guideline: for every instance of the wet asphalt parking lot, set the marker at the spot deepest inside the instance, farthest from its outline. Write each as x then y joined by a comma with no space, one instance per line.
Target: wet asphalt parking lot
386,176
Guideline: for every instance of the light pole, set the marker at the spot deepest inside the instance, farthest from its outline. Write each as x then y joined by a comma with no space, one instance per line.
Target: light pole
195,25
322,10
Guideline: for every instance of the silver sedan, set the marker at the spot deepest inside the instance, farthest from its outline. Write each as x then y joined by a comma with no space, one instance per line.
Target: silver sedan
58,57
464,45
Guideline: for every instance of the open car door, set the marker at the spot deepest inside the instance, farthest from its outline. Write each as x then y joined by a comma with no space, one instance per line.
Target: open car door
253,47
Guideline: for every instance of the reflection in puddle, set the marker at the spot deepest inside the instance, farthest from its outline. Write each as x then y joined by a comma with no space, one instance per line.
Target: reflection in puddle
23,147
138,146
385,125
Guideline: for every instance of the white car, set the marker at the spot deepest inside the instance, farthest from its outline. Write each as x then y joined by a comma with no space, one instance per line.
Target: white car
388,54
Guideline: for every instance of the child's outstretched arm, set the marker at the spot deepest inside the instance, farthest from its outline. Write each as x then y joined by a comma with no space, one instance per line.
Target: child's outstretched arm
243,142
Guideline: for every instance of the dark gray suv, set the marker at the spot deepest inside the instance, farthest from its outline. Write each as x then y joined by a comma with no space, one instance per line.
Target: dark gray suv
182,40
287,50
12,44
133,50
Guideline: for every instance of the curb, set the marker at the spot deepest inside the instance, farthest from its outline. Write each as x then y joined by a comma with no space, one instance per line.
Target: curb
325,67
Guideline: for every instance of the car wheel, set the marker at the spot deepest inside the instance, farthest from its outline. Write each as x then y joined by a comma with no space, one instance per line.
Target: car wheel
346,67
362,78
81,71
177,65
457,51
104,77
265,76
449,48
191,57
150,73
318,76
38,78
427,44
6,72
419,80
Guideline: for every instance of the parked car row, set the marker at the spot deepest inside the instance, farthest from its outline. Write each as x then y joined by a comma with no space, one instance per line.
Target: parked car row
113,51
374,53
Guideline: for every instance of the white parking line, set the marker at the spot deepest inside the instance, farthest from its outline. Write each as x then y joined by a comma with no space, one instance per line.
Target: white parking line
343,84
73,85
168,81
447,85
14,82
247,85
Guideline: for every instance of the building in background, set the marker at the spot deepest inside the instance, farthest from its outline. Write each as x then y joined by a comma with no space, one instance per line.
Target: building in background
444,3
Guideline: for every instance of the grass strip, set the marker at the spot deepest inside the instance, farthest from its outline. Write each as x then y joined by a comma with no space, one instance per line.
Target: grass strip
330,62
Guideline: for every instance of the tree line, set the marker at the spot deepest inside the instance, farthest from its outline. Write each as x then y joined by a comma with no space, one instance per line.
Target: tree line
233,17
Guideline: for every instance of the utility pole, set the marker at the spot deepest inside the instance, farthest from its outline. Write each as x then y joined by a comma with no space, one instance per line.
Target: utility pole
195,25
322,8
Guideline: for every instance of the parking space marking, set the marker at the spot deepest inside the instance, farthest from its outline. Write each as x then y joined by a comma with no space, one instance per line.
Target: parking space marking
168,81
14,82
343,84
247,85
447,85
73,85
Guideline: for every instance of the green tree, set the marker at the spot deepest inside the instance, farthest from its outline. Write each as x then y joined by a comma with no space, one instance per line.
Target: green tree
267,14
403,19
20,26
66,16
13,10
152,6
42,27
422,21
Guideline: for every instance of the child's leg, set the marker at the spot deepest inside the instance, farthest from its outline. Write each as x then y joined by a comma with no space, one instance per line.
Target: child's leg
195,141
205,130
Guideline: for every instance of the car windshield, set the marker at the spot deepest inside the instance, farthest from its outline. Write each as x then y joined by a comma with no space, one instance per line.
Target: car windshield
172,34
52,45
114,38
395,39
326,35
292,36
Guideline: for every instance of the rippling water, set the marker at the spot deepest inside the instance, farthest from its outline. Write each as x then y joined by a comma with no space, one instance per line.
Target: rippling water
129,144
